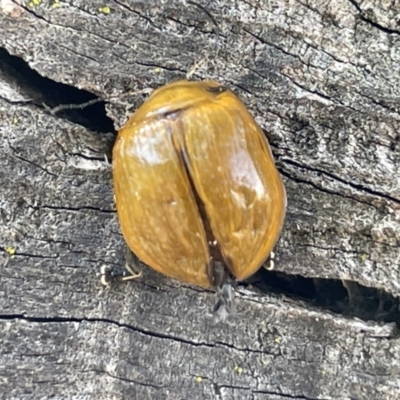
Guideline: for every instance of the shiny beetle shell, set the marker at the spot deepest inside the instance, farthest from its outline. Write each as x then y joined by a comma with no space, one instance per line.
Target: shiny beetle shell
193,173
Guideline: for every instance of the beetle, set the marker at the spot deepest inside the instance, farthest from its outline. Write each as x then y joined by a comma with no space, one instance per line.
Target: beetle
196,187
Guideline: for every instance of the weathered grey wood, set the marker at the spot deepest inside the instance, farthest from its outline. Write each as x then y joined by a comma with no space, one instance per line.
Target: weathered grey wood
285,352
322,79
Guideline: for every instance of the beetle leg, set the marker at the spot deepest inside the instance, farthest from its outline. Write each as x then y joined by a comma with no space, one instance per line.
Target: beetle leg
108,276
271,263
131,266
133,275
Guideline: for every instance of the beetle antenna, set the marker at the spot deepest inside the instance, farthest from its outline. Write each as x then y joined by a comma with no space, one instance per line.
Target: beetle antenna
62,107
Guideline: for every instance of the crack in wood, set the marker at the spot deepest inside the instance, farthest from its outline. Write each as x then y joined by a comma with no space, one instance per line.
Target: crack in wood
43,90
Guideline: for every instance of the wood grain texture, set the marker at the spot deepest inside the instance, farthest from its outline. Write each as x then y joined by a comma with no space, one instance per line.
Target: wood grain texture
322,80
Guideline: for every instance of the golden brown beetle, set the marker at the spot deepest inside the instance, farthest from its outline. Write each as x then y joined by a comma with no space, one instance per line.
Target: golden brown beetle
196,184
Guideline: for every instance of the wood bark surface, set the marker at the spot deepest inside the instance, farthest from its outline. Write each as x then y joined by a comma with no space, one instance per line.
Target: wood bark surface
322,79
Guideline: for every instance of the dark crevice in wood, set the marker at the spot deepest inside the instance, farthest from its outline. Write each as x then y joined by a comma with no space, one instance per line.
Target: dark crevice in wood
120,378
25,160
71,209
163,67
217,391
57,319
288,396
344,297
275,46
364,17
334,177
46,93
30,255
135,12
